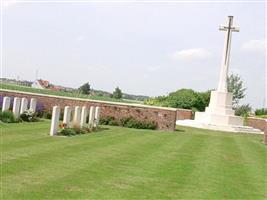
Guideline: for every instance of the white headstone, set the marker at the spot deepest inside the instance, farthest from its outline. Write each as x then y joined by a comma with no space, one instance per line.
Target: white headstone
77,115
33,104
97,115
16,106
54,120
67,115
91,116
6,103
84,116
24,105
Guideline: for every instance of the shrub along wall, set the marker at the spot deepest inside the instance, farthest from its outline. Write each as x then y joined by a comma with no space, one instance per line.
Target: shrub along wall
165,118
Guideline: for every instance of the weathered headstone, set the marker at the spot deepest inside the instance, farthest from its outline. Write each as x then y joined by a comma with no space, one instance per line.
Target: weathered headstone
91,116
83,116
67,115
6,103
16,106
24,105
54,120
97,116
77,115
33,104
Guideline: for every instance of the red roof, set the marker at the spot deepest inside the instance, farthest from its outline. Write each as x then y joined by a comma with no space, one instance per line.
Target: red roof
43,83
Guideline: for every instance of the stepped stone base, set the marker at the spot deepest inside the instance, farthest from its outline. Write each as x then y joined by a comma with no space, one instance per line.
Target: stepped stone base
234,129
219,116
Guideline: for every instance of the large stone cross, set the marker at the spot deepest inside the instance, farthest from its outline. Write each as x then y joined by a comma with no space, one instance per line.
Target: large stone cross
229,28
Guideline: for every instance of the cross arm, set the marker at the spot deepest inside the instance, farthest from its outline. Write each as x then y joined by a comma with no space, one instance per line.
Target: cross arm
223,28
235,29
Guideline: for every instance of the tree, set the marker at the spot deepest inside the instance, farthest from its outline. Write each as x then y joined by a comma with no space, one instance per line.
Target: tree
117,94
85,88
243,110
235,86
183,98
205,100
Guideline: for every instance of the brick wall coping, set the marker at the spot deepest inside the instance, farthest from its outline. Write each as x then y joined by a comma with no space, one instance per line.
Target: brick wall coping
181,109
91,100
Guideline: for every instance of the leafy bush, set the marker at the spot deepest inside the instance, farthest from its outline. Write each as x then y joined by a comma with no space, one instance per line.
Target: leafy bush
67,132
261,111
47,114
74,130
7,117
109,120
130,122
243,110
184,98
29,116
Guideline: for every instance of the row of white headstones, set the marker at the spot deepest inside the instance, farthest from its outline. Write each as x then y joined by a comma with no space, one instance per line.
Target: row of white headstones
79,117
19,105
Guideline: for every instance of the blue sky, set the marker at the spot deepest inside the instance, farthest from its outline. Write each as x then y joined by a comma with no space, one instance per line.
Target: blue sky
144,48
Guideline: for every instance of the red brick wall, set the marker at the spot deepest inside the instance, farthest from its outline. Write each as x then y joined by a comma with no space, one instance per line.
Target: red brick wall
182,114
259,124
164,117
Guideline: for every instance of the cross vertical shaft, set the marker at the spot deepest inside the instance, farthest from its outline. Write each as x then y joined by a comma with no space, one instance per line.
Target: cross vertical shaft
229,28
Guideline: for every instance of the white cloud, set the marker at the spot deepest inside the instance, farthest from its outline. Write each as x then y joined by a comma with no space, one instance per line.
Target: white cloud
80,38
8,3
154,68
257,46
191,54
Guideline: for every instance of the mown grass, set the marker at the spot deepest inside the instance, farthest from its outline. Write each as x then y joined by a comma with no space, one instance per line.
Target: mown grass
62,93
261,116
121,163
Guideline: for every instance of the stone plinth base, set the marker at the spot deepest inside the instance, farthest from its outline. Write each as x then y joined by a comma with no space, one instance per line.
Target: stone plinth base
218,119
220,111
234,129
219,116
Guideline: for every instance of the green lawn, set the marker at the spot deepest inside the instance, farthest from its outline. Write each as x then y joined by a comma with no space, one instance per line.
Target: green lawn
121,163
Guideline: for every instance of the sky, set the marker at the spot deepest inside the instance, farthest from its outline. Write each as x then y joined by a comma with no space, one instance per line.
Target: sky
147,48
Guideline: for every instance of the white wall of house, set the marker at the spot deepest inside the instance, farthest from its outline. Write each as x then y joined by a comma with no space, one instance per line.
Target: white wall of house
36,84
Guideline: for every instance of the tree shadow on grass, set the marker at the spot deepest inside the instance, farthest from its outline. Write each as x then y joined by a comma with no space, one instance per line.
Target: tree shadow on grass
100,129
179,130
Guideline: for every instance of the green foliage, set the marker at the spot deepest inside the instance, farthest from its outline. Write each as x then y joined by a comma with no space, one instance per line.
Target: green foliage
67,132
47,114
85,89
74,130
235,86
117,94
109,120
204,100
261,111
130,122
29,116
7,117
183,98
243,110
